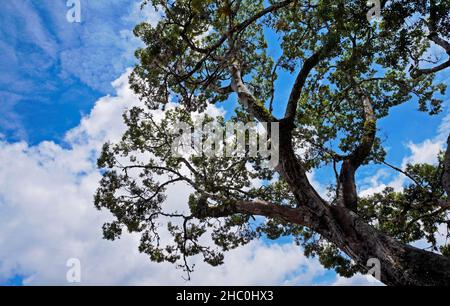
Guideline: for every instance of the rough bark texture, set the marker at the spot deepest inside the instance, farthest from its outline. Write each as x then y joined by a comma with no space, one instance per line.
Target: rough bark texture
401,264
339,222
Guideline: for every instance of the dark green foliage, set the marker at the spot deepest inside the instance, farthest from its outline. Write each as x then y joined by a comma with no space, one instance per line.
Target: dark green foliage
415,213
186,62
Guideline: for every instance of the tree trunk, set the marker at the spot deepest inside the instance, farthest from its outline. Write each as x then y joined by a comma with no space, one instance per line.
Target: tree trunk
401,264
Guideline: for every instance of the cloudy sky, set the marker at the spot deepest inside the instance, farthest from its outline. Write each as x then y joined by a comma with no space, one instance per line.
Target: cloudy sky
63,89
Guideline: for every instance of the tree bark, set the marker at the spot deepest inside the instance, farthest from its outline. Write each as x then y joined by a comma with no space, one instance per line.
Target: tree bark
401,264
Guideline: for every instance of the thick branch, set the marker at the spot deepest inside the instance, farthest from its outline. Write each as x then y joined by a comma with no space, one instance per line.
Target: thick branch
246,98
401,264
302,76
301,216
368,136
419,72
347,193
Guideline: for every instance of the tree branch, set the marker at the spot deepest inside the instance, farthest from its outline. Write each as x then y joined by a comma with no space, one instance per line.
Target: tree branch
300,216
347,195
405,174
369,132
246,98
302,76
434,37
416,73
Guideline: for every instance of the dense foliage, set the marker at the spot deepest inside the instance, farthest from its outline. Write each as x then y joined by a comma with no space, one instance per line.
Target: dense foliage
347,73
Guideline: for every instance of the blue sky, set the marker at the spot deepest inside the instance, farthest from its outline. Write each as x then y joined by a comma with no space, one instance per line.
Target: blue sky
54,73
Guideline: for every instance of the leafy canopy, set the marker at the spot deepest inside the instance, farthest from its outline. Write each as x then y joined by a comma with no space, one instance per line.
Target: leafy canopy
189,61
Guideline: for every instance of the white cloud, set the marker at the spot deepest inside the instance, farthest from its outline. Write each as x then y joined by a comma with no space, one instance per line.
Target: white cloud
357,280
47,216
374,184
425,152
428,150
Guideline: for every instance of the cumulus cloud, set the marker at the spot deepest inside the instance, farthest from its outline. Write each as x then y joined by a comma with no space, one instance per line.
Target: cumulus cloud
357,280
47,217
376,183
425,152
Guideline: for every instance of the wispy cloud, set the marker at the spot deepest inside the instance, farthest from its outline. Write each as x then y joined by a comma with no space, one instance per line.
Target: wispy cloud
43,55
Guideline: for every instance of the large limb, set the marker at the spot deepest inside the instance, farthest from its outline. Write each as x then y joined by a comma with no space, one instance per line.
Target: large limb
290,168
347,193
400,264
246,98
302,76
300,81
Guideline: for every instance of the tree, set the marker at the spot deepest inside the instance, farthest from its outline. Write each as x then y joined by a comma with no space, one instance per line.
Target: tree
347,71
